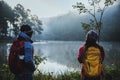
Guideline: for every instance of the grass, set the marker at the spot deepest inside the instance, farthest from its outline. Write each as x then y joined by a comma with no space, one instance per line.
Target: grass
64,76
110,73
5,74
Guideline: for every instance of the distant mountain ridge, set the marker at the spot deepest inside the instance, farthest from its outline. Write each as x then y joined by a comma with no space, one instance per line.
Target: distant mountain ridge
68,26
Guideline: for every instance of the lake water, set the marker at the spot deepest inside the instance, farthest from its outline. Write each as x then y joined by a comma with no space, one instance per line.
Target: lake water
62,55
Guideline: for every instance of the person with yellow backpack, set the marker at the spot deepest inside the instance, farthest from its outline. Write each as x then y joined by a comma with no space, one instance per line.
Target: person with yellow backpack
91,55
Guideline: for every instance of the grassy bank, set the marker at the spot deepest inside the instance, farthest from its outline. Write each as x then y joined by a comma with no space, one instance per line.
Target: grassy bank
5,74
110,73
64,76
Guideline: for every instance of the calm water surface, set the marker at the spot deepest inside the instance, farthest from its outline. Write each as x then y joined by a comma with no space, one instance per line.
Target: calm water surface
62,55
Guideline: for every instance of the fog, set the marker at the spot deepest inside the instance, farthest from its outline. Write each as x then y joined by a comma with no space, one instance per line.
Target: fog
68,26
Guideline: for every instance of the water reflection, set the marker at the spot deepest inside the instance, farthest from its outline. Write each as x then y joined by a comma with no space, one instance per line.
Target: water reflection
3,51
63,54
54,68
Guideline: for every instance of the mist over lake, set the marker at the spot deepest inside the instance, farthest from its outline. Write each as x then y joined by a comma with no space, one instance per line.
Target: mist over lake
62,55
63,35
68,26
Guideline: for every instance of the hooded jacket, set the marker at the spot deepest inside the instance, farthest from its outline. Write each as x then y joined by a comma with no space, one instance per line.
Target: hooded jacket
28,53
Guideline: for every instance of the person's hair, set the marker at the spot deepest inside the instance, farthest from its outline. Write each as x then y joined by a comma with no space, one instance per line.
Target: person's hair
91,39
92,36
26,29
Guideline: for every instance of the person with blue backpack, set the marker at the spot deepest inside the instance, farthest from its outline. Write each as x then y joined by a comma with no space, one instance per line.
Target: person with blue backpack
20,59
91,56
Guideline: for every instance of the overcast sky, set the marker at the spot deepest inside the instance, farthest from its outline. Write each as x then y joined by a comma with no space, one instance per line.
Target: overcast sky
45,8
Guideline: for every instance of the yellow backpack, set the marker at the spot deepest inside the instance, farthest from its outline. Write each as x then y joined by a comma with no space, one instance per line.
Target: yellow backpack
92,66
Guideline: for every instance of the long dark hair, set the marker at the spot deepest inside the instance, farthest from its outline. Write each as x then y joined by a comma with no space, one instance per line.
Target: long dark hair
91,39
90,43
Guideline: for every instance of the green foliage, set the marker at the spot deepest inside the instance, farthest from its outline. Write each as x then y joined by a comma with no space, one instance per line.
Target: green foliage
24,16
85,26
109,2
6,14
39,60
64,76
93,10
5,73
112,72
15,18
69,76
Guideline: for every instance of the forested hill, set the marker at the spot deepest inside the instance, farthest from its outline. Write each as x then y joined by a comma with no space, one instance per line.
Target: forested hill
68,26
